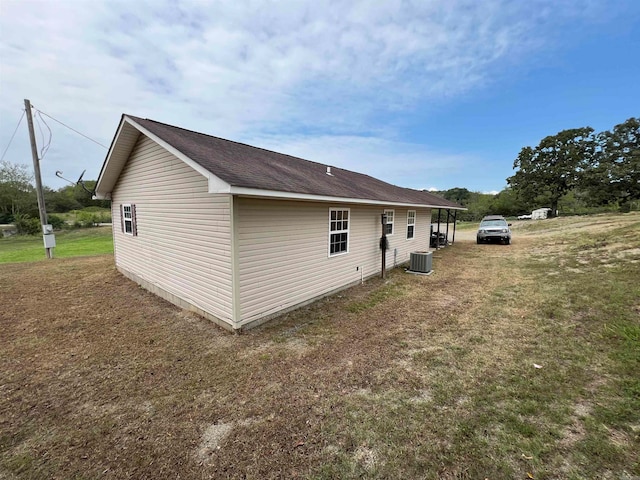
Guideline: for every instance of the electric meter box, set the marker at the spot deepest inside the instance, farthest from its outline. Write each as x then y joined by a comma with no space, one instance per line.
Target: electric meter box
49,241
47,229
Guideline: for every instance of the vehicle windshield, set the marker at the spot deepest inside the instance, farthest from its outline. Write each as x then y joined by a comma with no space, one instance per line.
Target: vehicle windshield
493,223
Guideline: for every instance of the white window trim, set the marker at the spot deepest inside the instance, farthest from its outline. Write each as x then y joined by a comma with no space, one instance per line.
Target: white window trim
392,223
125,219
347,231
415,215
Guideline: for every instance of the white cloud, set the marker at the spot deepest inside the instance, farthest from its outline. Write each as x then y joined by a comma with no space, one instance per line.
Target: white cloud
405,164
318,79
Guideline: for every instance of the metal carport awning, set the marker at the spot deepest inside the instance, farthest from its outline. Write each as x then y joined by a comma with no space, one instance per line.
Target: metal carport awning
449,217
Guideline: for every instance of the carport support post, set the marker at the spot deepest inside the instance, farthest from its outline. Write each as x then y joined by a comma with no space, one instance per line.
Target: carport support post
455,215
438,239
448,214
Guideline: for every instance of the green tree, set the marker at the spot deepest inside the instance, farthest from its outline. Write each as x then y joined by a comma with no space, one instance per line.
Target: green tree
17,194
615,175
508,203
61,200
459,195
547,172
478,204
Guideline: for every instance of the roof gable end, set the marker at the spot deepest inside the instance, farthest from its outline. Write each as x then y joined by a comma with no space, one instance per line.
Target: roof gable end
127,135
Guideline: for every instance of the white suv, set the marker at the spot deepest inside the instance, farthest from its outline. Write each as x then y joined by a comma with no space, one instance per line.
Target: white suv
494,227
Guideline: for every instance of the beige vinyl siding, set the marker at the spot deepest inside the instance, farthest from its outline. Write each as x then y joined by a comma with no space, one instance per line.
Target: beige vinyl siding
284,251
400,247
183,245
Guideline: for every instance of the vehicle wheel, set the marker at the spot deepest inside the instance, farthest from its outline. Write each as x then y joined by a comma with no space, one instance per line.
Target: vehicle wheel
478,241
507,241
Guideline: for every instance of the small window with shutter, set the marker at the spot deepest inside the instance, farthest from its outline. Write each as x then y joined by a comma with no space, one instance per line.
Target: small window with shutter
128,219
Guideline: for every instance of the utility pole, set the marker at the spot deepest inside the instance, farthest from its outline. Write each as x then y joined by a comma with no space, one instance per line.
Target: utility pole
36,169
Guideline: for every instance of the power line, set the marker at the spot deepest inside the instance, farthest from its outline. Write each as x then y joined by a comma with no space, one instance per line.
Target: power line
45,148
73,129
14,134
37,123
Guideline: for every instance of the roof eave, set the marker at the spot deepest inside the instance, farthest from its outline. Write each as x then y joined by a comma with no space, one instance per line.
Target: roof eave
255,192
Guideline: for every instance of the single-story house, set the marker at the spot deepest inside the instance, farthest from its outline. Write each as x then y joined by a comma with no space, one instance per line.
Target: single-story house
240,234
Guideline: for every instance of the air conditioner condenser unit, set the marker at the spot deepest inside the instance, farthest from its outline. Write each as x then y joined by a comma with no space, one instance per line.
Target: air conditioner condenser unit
420,262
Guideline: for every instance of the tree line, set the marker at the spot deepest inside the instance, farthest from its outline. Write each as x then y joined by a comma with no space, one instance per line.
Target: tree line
18,195
573,172
480,204
600,169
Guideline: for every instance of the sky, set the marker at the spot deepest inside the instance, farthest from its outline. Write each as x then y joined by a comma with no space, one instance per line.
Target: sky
422,94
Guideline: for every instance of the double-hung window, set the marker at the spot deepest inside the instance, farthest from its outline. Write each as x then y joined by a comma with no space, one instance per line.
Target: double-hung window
389,226
128,219
411,224
338,231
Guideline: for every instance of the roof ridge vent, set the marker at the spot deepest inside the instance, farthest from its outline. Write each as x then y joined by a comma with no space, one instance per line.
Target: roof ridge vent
329,171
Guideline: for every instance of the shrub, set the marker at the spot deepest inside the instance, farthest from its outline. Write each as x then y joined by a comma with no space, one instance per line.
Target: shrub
56,222
89,217
92,209
105,216
86,219
27,225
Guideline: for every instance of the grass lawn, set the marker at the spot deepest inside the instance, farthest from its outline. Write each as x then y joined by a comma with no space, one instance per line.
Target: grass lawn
69,243
515,361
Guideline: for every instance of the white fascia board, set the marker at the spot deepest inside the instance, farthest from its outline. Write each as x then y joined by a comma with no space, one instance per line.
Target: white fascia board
105,166
216,184
254,192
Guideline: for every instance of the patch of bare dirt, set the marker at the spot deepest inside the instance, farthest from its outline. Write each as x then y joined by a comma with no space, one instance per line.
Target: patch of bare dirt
211,439
366,457
576,430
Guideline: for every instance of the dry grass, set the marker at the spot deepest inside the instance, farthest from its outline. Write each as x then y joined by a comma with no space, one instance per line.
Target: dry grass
413,377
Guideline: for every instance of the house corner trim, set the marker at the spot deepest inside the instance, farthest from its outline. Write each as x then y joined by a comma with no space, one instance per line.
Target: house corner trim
236,314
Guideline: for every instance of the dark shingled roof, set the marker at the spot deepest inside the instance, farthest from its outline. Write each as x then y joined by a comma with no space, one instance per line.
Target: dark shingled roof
242,165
